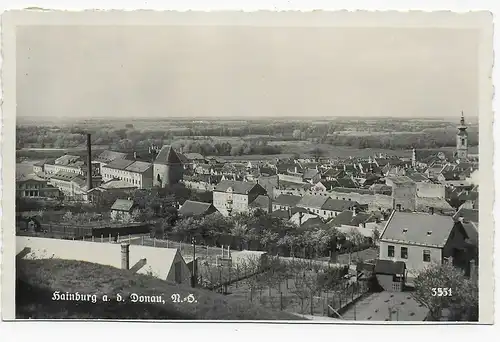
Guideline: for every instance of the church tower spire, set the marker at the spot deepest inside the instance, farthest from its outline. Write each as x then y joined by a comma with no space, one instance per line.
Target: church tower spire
462,139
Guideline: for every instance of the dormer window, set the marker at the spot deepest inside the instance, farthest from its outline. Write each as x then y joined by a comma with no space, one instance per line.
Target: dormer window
405,230
429,233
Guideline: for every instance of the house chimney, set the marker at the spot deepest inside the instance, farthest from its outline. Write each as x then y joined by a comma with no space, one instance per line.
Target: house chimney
125,256
89,163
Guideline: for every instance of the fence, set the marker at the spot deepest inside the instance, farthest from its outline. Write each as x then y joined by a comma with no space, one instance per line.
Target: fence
282,289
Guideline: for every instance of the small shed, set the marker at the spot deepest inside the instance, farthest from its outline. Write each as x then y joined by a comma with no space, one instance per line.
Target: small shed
121,210
390,274
195,208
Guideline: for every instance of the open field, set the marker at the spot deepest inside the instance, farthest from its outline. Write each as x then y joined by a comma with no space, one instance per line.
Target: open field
37,280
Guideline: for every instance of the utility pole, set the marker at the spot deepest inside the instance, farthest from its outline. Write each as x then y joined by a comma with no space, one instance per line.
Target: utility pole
194,264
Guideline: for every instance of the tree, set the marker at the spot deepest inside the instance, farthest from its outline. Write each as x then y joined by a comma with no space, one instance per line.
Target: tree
463,302
188,227
301,288
296,134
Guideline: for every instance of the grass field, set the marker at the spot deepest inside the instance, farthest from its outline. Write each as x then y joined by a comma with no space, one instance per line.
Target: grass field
37,280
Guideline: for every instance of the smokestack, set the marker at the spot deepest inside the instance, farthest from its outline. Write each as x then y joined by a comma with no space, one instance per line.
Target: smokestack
89,163
125,256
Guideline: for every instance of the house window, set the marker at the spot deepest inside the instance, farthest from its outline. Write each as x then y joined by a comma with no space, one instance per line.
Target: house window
427,255
404,253
390,251
463,142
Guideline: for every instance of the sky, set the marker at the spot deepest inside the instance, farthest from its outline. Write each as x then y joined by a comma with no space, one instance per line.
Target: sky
216,71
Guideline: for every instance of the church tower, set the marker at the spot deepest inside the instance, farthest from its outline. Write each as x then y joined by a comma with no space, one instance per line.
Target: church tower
462,139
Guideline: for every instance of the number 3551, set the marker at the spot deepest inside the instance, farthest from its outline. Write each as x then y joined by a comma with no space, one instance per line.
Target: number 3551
441,292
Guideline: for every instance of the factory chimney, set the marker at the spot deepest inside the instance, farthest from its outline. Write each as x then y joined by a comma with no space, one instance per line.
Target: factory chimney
89,163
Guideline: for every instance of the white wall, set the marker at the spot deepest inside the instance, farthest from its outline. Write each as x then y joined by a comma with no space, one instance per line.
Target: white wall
159,261
414,262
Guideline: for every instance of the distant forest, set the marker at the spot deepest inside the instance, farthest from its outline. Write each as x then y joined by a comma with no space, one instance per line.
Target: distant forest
244,138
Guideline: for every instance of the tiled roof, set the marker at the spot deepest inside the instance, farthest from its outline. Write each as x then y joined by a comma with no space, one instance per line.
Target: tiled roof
292,185
312,201
66,159
347,218
108,156
471,229
284,214
138,166
30,177
353,190
417,177
310,173
194,156
400,180
389,267
122,205
194,208
334,173
469,215
329,184
63,175
45,161
346,183
238,187
288,200
116,184
418,228
422,203
167,155
261,201
119,164
295,210
338,205
316,222
268,171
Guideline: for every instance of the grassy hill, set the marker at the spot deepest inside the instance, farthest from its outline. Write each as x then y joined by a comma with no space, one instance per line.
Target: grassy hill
38,279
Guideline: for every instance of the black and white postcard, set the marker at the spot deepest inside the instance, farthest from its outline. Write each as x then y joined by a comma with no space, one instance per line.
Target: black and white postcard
301,167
